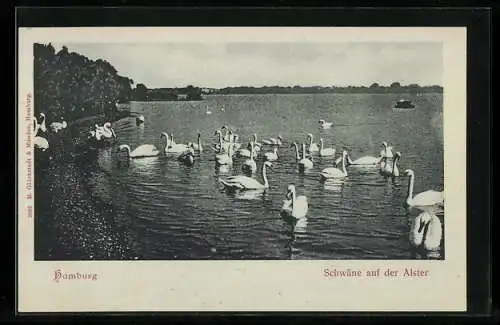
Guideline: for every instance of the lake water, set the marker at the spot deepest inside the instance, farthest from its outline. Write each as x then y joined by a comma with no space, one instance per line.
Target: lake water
157,208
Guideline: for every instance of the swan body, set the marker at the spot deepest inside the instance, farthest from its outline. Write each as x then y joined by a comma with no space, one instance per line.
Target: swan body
325,152
294,206
422,200
42,125
273,141
242,182
333,172
387,169
426,232
272,156
139,119
364,161
249,165
305,163
325,125
187,157
105,131
142,151
38,141
225,158
57,126
171,147
313,147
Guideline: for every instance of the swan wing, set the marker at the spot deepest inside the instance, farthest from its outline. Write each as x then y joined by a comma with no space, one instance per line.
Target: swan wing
243,182
144,150
332,172
416,237
367,160
430,197
434,234
327,152
41,142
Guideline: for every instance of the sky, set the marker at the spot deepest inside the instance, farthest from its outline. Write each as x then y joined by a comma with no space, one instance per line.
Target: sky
217,65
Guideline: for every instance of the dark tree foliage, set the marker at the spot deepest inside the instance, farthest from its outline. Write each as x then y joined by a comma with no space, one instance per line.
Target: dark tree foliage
69,85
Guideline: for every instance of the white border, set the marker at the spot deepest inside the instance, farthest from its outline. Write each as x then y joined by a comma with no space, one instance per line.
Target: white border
255,285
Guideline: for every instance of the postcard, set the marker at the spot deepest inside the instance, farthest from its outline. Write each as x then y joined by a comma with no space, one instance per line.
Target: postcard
241,169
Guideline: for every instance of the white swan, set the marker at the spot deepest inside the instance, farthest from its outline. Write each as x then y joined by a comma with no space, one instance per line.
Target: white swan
257,145
294,206
333,172
297,155
42,125
172,147
273,141
187,157
225,158
386,151
38,141
249,165
271,156
364,161
426,232
196,146
57,126
313,147
242,182
387,169
325,152
223,145
325,125
422,200
139,119
106,131
305,163
142,151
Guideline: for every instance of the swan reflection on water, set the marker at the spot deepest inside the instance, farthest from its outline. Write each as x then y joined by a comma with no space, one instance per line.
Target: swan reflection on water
222,170
333,185
249,195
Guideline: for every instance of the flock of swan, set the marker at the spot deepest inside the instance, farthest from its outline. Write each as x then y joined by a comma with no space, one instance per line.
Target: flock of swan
426,228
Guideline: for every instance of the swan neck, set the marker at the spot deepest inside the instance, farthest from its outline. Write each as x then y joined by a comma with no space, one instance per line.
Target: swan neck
343,165
264,176
303,151
321,145
297,151
199,142
293,199
410,187
251,150
394,163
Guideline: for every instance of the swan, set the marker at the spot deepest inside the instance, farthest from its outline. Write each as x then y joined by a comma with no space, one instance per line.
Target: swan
236,144
257,145
139,119
42,125
196,146
227,136
297,155
242,182
424,199
107,131
325,151
332,172
364,161
426,231
325,125
305,163
187,157
273,141
222,145
249,165
387,170
57,126
172,147
313,147
142,151
225,158
272,156
294,206
387,151
38,141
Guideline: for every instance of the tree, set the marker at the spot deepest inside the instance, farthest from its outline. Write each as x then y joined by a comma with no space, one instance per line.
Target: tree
395,85
374,85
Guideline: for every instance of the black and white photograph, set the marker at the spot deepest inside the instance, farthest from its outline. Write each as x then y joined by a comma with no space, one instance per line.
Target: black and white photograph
238,151
241,169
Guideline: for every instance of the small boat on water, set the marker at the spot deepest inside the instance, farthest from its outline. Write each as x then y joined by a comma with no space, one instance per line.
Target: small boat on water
404,103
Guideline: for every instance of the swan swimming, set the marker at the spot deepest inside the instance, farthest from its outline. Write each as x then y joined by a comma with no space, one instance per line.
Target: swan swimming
325,125
273,141
225,158
333,172
249,165
106,131
57,126
387,169
364,161
38,141
187,157
271,156
294,206
387,151
172,147
426,232
142,151
42,125
325,152
305,162
196,146
242,182
423,200
313,147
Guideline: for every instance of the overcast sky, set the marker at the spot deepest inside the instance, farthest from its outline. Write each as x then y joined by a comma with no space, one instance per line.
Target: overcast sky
258,64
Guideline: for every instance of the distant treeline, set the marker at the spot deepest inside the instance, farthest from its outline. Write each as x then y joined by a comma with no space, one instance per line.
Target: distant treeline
142,93
395,87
